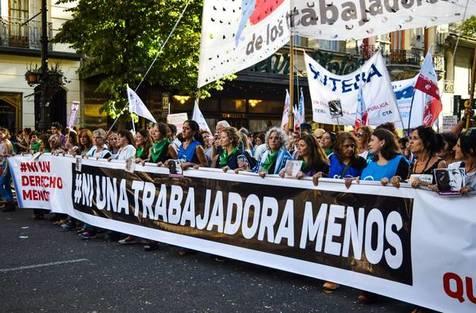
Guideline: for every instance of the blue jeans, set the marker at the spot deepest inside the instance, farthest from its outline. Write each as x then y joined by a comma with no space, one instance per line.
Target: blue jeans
5,187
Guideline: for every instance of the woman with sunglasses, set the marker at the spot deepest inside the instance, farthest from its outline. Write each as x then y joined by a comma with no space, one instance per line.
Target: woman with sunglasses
362,135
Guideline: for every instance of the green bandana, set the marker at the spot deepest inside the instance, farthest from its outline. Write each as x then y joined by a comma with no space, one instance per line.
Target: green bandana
140,152
35,146
270,160
158,148
224,157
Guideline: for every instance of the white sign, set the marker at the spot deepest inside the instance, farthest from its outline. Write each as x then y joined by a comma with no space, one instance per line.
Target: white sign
449,122
371,82
74,114
177,119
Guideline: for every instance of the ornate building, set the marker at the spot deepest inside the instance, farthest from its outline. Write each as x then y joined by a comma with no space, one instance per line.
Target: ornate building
20,33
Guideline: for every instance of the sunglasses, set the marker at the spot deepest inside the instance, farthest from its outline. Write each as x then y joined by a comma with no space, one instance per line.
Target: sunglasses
359,135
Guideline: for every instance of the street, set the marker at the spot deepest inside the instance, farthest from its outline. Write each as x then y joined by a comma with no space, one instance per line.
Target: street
43,269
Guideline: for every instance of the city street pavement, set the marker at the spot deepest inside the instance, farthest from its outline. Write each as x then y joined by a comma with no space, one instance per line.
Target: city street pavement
43,269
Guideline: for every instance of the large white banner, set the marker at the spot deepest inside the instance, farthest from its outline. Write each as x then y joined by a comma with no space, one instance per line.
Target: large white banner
335,98
408,244
358,19
239,34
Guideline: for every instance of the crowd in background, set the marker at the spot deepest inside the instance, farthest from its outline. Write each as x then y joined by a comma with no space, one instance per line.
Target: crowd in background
364,153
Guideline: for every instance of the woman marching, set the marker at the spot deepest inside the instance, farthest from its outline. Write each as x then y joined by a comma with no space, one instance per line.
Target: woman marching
275,157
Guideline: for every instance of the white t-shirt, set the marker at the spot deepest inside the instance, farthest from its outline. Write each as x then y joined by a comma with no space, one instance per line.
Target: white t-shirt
125,153
104,153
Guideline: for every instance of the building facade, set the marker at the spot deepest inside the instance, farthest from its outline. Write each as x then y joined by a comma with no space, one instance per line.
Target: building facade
20,34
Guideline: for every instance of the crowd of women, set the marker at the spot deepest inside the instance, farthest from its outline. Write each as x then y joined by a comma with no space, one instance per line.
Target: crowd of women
378,154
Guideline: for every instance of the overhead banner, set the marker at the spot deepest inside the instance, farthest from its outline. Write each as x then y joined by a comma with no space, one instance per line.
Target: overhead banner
335,98
405,243
346,20
239,34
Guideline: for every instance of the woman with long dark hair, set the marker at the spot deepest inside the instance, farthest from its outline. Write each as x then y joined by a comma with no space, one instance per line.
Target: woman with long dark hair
142,143
425,145
314,158
387,161
191,150
126,146
344,161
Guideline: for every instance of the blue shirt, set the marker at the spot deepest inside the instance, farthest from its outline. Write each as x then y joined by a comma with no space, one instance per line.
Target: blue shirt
337,169
189,154
374,171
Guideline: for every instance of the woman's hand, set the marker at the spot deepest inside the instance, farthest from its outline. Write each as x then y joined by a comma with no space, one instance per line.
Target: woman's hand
225,169
282,173
465,190
315,178
262,174
395,181
300,175
384,181
415,182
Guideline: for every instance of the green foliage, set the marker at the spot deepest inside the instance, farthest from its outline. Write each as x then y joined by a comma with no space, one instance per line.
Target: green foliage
120,39
468,27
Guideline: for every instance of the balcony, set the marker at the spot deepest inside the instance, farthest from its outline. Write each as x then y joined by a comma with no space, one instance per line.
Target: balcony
15,33
413,56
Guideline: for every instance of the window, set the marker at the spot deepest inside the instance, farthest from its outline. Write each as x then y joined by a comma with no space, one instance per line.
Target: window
18,14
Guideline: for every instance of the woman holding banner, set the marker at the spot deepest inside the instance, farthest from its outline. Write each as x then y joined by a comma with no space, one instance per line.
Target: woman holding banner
465,152
142,141
126,146
161,149
191,150
314,158
425,145
344,161
388,163
275,156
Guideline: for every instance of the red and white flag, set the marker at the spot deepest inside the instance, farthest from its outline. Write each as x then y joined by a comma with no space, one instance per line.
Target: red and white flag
427,83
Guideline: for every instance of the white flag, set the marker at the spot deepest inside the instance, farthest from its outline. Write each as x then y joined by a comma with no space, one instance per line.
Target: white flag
198,117
137,106
285,118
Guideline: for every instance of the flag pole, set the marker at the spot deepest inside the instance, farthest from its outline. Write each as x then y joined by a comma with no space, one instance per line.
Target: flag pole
291,76
410,113
469,104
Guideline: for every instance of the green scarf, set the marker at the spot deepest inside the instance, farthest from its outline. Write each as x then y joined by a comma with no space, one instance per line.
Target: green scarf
328,151
270,160
35,146
224,157
158,148
140,152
